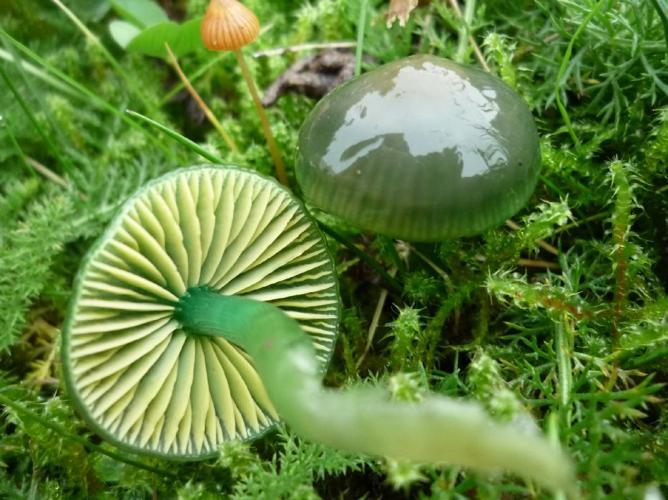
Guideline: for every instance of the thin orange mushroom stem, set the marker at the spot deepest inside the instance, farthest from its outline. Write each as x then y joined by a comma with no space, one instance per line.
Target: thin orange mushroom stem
200,101
266,127
229,25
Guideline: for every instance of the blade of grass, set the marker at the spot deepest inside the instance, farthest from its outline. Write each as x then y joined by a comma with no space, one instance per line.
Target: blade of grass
361,28
553,434
564,349
60,140
31,164
563,69
105,53
464,31
196,74
50,69
35,71
6,124
200,102
48,173
653,355
194,147
375,320
62,161
661,7
87,95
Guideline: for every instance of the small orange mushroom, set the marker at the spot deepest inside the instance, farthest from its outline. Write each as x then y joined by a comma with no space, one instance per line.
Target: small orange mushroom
229,25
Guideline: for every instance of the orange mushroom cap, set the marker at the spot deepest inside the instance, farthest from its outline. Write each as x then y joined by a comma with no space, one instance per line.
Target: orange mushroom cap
228,25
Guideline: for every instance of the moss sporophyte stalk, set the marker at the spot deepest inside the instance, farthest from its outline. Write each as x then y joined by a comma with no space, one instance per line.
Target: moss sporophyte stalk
209,309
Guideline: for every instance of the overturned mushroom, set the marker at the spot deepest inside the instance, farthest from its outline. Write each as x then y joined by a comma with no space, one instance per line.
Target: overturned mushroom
209,308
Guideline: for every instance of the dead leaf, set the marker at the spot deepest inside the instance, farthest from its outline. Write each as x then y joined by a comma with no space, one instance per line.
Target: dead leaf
313,76
401,10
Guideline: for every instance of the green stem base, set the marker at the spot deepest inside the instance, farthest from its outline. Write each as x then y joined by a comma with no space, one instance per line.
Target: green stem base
436,430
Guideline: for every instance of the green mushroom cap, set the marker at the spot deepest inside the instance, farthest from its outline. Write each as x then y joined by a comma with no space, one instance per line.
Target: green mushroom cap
141,378
421,149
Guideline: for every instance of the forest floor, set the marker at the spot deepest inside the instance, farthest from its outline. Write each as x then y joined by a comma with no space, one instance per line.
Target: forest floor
563,320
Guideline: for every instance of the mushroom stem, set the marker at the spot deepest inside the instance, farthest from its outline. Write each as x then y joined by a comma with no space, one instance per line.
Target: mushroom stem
364,420
171,57
266,128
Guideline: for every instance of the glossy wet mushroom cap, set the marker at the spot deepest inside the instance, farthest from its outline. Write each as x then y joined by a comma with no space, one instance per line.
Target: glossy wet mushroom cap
421,149
136,374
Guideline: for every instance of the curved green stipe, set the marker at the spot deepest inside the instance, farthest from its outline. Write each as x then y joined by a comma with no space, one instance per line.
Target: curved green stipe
135,373
436,430
421,149
210,301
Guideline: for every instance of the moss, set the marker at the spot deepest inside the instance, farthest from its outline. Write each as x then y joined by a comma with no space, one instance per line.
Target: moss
543,322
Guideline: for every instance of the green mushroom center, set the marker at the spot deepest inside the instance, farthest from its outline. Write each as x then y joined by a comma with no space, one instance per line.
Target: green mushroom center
137,374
